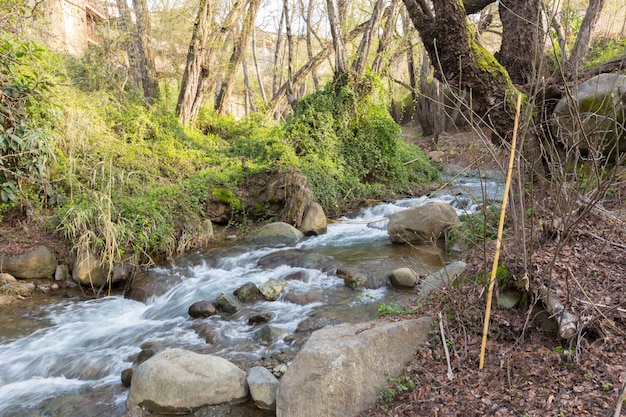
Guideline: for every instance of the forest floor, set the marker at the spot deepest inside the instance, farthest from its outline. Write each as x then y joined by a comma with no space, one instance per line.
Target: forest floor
528,370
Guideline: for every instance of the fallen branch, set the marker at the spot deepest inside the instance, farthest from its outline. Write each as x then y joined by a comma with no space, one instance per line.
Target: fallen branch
620,399
567,321
600,238
445,347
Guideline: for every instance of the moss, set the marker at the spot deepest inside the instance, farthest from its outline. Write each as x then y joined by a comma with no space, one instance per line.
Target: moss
226,196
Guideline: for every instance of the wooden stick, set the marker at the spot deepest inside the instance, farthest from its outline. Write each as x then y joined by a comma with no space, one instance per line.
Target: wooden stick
445,347
620,399
507,187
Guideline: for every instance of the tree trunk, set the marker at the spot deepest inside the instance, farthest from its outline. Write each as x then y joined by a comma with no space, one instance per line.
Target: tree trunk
289,49
462,62
358,66
256,68
130,41
383,45
146,55
192,76
309,40
338,43
523,39
235,60
249,94
583,40
306,69
279,38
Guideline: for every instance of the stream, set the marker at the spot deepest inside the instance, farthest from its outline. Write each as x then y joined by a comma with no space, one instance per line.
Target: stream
63,356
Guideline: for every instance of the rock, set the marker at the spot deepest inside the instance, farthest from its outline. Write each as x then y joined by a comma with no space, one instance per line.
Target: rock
403,278
277,234
247,292
352,278
338,370
314,220
87,269
268,335
177,380
61,273
202,308
127,377
304,298
508,298
272,288
445,276
260,318
600,104
227,304
421,224
7,279
263,385
39,262
297,259
122,271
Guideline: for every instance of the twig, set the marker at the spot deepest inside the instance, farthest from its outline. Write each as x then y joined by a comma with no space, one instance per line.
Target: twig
617,245
597,305
445,347
620,399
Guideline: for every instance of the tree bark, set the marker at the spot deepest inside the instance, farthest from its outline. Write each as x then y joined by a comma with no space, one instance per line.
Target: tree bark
581,46
459,60
235,60
146,55
289,48
388,32
192,76
279,39
306,69
523,39
256,68
309,39
358,66
338,43
130,42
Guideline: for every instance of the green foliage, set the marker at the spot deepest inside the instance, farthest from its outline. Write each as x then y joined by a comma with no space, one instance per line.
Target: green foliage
604,50
393,310
476,228
395,386
26,118
349,145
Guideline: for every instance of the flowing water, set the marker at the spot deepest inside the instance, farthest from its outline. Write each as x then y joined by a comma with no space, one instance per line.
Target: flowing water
64,356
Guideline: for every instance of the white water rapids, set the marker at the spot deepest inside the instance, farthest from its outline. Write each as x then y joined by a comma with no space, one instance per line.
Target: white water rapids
65,358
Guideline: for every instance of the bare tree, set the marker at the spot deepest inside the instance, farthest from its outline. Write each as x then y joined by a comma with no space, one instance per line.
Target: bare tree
338,42
146,55
257,69
193,70
387,36
242,40
583,40
358,66
130,43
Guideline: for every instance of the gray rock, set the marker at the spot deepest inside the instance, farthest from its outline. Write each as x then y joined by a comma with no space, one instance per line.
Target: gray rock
263,385
7,279
600,105
202,308
353,279
338,369
403,278
297,258
421,224
314,220
177,380
276,234
39,262
508,298
227,304
268,335
272,288
247,292
445,276
61,273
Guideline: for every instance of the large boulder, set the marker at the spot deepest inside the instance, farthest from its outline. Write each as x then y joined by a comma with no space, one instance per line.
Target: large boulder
176,380
314,220
594,115
277,234
421,224
338,370
272,288
39,262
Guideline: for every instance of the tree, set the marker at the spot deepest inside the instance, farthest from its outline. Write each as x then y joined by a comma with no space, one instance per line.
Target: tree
132,47
191,82
237,56
149,80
